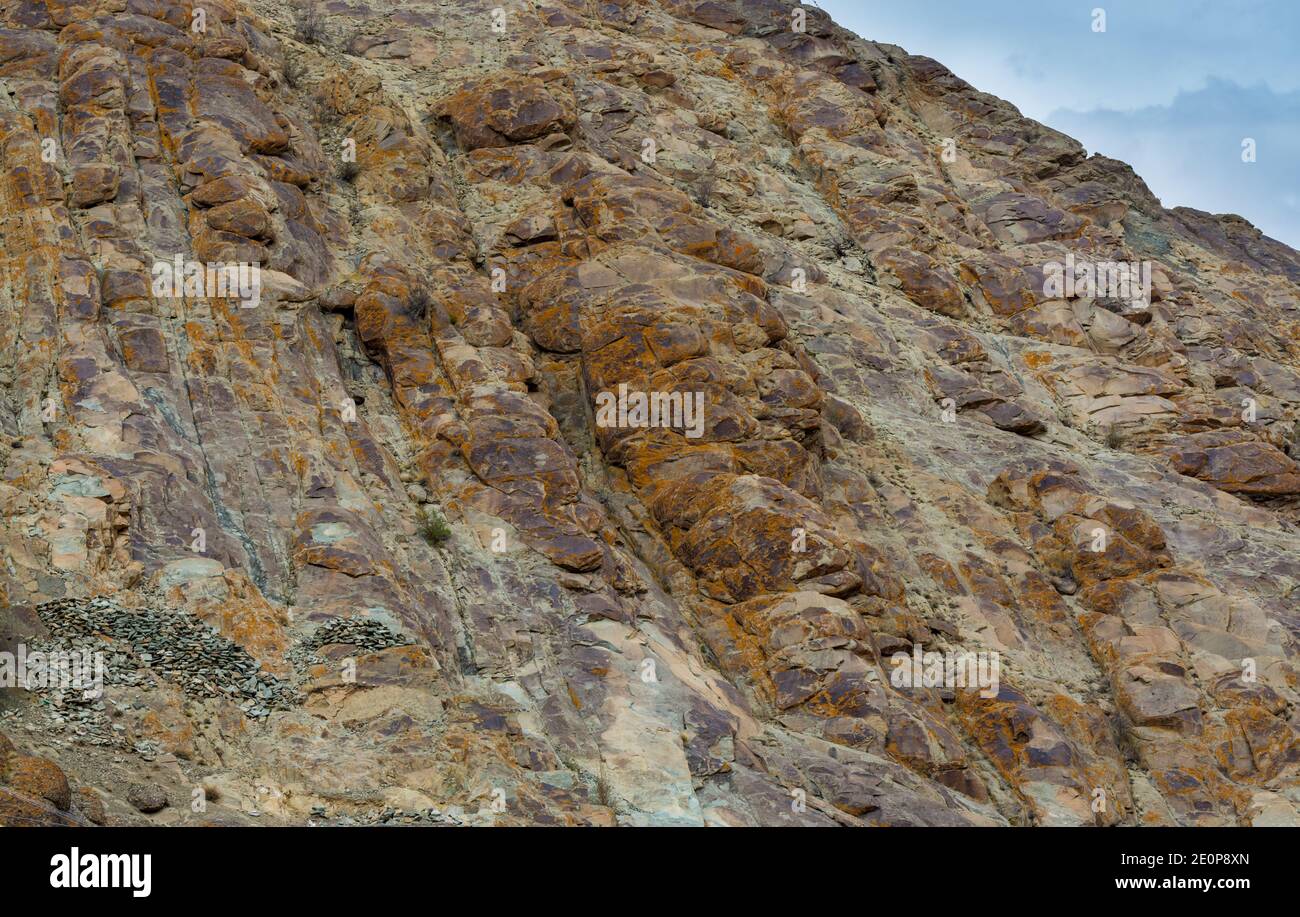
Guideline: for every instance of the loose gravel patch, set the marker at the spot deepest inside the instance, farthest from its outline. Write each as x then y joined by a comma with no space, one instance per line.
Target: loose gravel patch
175,645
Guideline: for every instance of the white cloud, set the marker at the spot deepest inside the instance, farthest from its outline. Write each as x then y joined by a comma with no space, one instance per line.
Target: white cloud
1161,89
1189,152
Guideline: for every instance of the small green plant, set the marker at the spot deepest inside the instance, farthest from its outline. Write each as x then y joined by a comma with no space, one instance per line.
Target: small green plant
418,305
1114,438
432,527
702,192
351,41
294,71
309,22
348,171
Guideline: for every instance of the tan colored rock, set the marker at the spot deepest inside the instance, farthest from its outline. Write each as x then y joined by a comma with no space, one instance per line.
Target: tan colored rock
507,108
463,245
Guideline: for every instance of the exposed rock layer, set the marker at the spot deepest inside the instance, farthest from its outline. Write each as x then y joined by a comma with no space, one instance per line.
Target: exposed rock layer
906,439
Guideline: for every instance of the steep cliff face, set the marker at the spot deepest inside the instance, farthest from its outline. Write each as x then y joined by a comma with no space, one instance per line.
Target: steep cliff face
473,224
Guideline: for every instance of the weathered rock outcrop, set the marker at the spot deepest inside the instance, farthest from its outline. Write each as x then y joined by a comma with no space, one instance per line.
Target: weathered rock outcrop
870,426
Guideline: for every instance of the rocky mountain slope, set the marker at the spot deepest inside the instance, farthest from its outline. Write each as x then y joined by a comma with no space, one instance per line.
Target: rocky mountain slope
473,218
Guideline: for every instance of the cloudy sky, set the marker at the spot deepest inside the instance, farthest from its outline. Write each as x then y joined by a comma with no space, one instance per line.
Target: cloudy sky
1171,87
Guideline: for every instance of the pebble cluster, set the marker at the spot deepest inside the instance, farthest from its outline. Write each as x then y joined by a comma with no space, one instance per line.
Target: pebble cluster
182,649
76,709
138,644
363,633
393,817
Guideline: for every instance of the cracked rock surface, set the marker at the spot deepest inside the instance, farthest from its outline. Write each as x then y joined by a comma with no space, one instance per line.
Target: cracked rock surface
464,234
